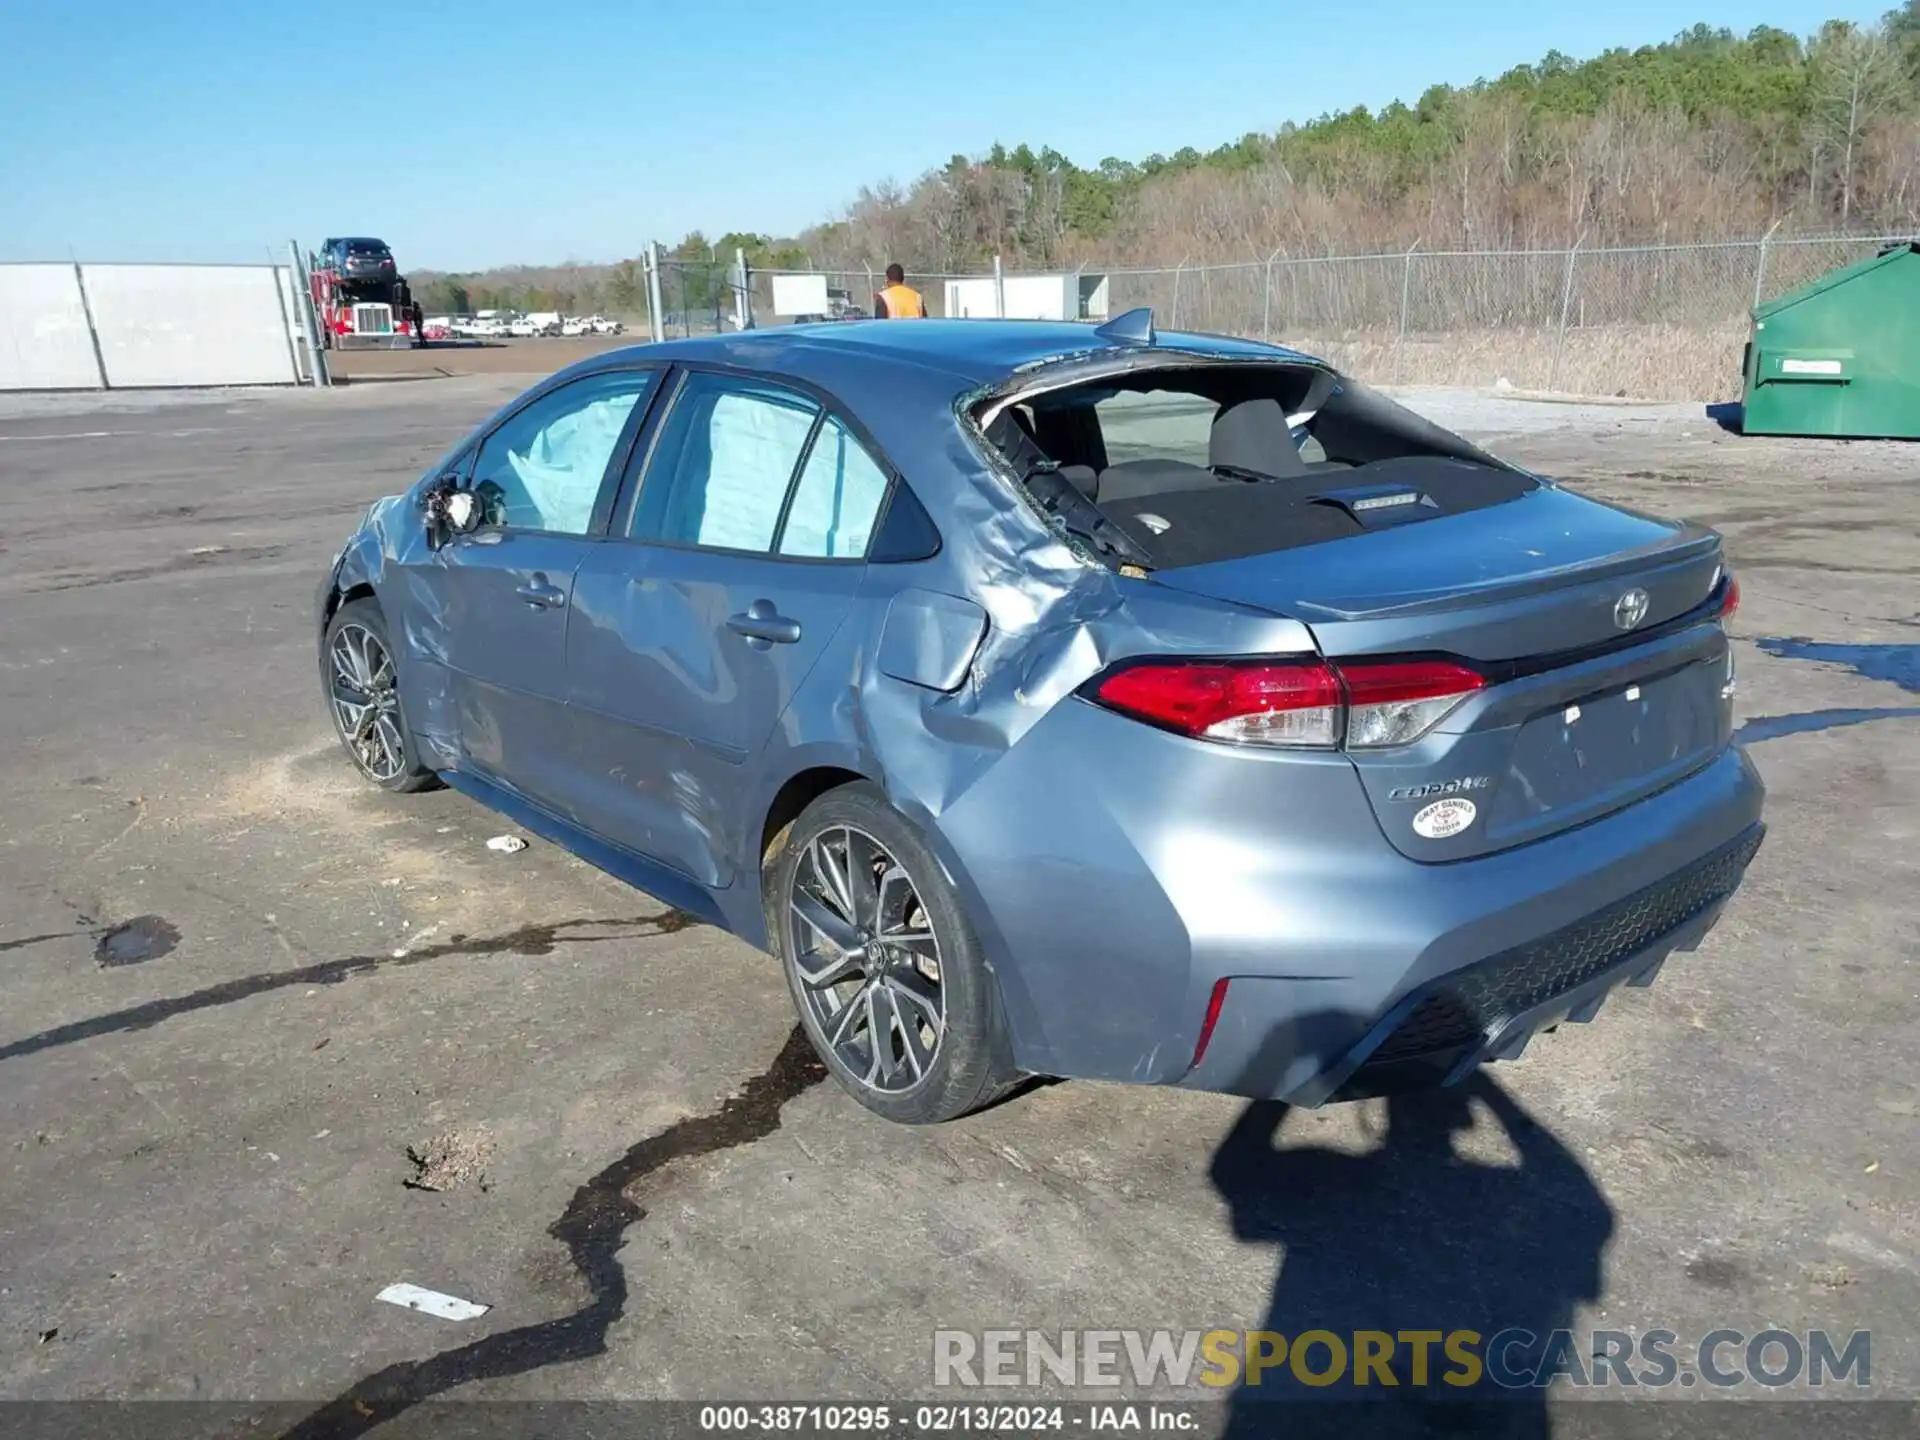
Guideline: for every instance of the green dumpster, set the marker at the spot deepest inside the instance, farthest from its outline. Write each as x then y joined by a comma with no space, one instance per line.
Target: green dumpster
1840,356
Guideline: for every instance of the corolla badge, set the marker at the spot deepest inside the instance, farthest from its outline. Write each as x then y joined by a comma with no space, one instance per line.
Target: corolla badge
1630,609
1439,787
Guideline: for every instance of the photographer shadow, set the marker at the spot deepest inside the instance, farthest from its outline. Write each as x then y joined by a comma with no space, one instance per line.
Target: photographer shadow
1411,1235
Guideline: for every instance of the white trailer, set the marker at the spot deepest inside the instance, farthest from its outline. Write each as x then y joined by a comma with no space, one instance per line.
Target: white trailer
1077,296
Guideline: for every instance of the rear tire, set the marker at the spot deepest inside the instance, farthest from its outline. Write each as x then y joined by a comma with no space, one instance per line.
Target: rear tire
359,672
887,975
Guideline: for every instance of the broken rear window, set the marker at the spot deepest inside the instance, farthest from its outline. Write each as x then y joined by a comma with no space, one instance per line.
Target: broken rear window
1195,462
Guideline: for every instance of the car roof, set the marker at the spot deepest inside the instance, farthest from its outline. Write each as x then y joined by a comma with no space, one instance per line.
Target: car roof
976,352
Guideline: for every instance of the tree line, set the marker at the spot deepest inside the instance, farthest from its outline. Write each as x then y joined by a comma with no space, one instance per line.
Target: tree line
1709,136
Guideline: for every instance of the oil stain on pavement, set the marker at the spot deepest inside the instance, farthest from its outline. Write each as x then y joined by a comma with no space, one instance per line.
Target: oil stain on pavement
26,940
593,1228
527,940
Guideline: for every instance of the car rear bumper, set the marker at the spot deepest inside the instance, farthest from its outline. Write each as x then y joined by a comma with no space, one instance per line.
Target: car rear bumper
1439,1032
1118,874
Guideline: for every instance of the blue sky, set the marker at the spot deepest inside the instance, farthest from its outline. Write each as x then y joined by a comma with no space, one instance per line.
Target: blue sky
478,132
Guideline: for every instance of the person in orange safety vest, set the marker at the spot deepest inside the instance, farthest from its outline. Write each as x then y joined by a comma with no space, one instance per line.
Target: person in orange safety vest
899,301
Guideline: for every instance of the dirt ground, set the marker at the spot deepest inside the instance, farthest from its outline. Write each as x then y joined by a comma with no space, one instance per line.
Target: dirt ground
271,1040
441,358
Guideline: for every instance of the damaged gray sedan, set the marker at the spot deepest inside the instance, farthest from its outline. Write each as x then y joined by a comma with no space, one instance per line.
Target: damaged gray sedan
1066,701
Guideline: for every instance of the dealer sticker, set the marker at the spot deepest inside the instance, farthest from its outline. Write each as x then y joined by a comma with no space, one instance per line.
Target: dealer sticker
1444,818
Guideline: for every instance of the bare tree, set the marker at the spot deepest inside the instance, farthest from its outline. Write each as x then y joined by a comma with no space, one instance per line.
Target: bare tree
1857,75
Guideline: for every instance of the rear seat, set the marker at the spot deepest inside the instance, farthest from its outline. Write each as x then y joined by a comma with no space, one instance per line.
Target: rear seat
1013,435
1252,435
1133,479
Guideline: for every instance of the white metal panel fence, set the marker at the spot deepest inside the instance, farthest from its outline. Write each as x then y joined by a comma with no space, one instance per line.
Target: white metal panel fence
45,342
191,324
90,327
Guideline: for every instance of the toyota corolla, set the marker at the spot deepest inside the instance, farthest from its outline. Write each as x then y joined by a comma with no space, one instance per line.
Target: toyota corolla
1052,700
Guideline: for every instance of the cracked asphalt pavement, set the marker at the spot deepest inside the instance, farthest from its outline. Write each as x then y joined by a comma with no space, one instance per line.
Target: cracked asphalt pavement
238,988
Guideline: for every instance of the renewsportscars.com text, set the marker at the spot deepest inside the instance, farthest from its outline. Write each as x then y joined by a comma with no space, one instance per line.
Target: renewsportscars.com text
1511,1359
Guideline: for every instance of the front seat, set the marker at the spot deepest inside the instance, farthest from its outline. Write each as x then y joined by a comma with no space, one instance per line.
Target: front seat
1254,435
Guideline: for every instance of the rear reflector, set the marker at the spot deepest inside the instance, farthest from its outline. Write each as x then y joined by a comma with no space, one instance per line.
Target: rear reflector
1214,1002
1298,704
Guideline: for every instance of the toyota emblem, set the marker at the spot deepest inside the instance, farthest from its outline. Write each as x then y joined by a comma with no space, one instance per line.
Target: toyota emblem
1630,609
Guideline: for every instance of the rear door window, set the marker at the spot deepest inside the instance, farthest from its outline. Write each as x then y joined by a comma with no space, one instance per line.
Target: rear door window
720,471
837,500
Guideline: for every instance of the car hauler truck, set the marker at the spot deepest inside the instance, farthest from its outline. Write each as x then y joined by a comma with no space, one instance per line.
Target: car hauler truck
361,298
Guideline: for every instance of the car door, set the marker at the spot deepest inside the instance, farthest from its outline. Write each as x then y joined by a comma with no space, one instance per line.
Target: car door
544,478
746,549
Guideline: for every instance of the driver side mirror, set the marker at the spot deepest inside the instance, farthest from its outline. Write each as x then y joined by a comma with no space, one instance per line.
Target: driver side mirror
462,512
450,511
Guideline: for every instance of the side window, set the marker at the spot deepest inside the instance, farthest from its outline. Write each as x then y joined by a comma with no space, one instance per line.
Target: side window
542,470
837,500
720,470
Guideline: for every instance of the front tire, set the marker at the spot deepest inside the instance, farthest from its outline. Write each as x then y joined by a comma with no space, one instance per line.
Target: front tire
363,696
888,977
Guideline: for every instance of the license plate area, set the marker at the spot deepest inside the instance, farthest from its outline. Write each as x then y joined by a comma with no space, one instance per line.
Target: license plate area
1610,744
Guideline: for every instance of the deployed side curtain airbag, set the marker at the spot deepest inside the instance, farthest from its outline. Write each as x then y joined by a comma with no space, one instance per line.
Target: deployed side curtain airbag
559,475
837,500
753,445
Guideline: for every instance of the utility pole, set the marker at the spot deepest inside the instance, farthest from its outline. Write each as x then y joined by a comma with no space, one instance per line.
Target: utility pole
656,322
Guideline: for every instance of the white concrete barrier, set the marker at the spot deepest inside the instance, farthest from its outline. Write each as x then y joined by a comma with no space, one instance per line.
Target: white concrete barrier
191,324
44,342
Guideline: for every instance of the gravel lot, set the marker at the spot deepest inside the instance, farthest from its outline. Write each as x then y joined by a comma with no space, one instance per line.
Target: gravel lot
540,356
251,1007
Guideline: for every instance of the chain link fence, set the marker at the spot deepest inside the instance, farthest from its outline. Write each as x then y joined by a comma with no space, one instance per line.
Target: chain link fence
1651,322
1654,322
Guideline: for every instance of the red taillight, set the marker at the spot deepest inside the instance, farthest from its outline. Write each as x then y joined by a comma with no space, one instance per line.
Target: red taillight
1264,703
1730,600
1214,1002
1291,703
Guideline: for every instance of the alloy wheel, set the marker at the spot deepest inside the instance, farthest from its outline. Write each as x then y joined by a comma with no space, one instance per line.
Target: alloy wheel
868,962
366,704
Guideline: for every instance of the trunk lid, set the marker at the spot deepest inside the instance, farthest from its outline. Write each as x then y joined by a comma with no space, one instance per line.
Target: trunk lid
1599,690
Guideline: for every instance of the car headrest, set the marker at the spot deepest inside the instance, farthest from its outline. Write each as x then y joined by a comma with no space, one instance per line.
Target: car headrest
1083,478
1254,435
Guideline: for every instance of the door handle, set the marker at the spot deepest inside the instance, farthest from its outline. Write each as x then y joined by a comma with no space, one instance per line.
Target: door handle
763,625
541,595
